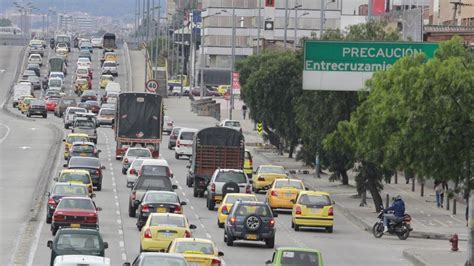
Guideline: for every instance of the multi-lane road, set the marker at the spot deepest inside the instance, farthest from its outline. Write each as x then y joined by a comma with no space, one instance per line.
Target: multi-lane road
27,147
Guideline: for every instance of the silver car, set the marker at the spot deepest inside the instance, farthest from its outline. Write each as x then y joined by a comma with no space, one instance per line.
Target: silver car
110,67
133,153
225,181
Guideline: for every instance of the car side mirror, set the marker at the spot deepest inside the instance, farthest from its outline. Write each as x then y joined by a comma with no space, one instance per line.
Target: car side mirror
183,203
64,140
192,226
99,151
174,186
293,201
225,212
266,262
275,214
137,202
48,194
220,253
98,209
126,264
50,244
65,165
55,179
106,245
188,166
93,195
102,167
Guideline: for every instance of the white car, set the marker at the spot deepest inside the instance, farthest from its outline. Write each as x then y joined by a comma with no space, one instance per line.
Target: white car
234,124
184,142
110,67
132,172
56,82
82,72
68,117
61,48
69,260
56,75
131,154
168,124
83,62
35,59
97,43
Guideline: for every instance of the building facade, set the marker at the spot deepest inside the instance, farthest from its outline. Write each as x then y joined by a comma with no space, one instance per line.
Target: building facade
442,12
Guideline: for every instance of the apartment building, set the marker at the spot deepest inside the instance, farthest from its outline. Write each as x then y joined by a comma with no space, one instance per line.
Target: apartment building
442,12
217,29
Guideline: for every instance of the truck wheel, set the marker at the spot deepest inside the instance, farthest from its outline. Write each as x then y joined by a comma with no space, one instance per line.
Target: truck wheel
48,218
195,192
229,240
99,187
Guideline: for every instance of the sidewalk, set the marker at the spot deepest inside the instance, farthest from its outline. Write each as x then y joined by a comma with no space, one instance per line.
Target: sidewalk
137,63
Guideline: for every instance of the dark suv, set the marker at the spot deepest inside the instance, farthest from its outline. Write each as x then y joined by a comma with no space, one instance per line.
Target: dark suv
91,164
37,108
73,241
250,220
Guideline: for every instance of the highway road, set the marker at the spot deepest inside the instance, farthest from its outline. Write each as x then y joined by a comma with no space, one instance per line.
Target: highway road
348,245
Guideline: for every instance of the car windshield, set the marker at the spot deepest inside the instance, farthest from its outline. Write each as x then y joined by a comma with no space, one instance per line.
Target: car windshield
107,112
294,257
55,83
84,124
84,161
69,190
56,76
272,170
83,148
153,183
232,124
79,242
187,135
288,184
233,198
231,176
109,64
82,71
72,139
75,203
71,177
107,78
163,261
167,220
314,200
155,170
245,210
161,197
138,153
76,110
204,248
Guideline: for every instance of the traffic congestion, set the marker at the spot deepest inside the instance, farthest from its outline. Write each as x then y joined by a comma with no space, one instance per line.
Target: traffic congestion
81,87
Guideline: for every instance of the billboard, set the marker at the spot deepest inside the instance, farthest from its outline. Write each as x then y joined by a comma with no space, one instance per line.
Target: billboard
345,66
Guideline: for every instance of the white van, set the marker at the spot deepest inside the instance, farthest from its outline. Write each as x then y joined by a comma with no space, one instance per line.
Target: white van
20,90
74,260
184,142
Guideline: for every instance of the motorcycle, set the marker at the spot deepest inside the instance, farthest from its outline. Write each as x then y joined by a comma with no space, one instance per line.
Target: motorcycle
400,228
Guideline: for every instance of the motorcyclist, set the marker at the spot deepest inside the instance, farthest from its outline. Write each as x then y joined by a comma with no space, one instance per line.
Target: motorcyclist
398,212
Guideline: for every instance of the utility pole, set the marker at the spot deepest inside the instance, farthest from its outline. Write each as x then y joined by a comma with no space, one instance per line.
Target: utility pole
191,51
158,41
258,25
321,26
232,62
296,25
182,52
286,22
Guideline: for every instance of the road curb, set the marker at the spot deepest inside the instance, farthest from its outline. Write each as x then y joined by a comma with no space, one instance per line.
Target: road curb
414,258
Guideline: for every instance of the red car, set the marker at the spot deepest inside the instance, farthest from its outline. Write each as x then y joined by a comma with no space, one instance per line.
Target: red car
75,212
90,73
94,106
51,104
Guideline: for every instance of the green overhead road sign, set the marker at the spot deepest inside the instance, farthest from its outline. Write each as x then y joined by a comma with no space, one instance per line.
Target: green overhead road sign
345,66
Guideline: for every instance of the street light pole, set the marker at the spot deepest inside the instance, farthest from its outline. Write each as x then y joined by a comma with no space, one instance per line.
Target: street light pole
258,25
321,26
182,53
232,62
202,58
286,23
296,25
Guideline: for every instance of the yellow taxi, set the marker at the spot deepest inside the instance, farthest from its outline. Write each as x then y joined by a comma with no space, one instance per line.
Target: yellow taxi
313,209
248,163
104,80
81,85
76,176
70,139
177,79
222,89
25,104
162,228
228,202
266,174
197,251
20,100
283,192
110,56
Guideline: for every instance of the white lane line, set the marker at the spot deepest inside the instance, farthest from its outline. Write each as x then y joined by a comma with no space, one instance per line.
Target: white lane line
121,244
124,257
120,231
6,134
202,225
119,221
197,216
192,207
208,235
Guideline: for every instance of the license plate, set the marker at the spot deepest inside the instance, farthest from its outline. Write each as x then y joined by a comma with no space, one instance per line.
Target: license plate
194,264
251,237
82,154
167,235
314,210
217,197
75,225
288,195
161,210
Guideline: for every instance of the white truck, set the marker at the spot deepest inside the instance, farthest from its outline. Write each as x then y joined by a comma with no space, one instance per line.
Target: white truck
20,90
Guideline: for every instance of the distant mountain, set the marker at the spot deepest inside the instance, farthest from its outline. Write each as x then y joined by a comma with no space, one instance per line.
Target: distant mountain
114,8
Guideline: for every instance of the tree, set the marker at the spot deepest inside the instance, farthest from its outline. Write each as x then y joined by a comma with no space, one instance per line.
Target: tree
4,22
271,84
318,112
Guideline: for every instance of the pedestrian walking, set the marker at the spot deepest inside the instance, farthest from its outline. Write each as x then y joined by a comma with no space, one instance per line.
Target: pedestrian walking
444,185
244,111
438,187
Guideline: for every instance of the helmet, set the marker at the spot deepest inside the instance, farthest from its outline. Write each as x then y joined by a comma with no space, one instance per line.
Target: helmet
397,197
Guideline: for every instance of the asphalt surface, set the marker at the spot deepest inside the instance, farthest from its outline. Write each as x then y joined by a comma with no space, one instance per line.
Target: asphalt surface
348,245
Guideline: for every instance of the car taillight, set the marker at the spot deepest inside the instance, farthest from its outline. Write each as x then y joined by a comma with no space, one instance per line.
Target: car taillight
132,171
51,201
178,209
155,154
298,210
274,193
148,233
133,195
232,220
225,210
215,262
91,219
125,160
58,217
331,211
272,222
168,172
145,208
248,190
66,148
213,187
177,143
187,234
97,172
